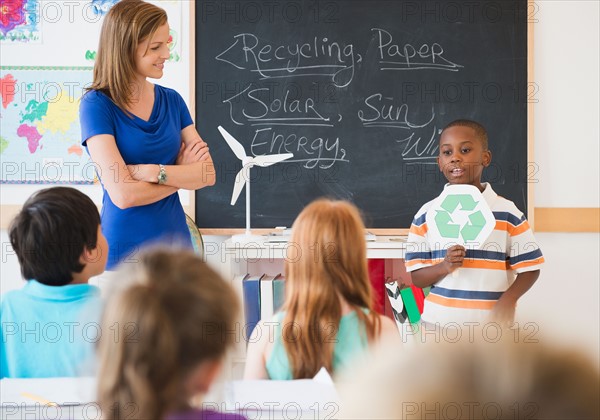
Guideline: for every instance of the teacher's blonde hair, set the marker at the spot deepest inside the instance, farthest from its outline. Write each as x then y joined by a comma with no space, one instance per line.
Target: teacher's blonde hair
128,23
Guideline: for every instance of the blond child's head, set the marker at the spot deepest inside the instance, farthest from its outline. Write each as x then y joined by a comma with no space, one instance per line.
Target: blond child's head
164,334
326,265
474,380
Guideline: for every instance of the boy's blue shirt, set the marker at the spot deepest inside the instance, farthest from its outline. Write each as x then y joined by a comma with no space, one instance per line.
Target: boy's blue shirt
49,331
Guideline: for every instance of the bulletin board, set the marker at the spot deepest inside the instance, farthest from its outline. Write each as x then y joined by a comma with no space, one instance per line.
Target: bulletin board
48,52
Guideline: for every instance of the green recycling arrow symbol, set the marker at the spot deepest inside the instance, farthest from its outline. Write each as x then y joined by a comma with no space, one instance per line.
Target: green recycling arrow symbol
444,222
447,229
451,202
470,231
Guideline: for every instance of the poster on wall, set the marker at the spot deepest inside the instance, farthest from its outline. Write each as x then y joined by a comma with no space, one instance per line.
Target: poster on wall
40,141
99,8
20,21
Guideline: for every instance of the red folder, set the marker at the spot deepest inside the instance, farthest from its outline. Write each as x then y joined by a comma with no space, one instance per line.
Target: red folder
377,277
419,297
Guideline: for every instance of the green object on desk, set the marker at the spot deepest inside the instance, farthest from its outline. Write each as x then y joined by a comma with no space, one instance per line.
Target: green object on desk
411,305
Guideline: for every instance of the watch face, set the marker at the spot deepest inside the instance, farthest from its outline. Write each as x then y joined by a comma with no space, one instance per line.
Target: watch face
162,175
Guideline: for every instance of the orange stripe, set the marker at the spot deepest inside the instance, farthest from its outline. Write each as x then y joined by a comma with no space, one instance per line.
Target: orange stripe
490,265
419,230
528,263
415,262
467,263
460,303
510,228
517,230
501,225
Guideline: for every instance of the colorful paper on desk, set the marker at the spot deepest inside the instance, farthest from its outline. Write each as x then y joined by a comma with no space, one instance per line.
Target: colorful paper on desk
267,394
39,391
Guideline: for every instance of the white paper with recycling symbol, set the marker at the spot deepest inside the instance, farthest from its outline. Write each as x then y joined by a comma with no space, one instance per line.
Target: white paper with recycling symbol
460,215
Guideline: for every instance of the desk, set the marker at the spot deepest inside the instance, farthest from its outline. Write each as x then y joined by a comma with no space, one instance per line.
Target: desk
254,258
27,398
73,398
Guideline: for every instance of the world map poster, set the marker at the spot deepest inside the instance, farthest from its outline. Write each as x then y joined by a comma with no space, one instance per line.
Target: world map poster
40,136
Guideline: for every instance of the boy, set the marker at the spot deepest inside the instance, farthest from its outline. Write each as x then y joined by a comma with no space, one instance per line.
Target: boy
483,290
50,325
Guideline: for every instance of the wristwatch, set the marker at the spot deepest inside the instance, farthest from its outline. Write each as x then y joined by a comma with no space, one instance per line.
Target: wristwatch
162,174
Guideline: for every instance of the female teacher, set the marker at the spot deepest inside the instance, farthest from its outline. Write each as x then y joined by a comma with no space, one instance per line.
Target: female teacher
140,135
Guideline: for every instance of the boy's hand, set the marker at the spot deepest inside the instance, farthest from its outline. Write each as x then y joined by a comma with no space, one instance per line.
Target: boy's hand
503,311
454,257
196,152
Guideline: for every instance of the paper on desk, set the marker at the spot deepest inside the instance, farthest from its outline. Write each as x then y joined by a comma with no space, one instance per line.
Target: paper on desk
268,394
323,377
35,391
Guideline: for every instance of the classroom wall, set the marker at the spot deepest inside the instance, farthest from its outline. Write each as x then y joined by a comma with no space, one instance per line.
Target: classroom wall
567,76
566,153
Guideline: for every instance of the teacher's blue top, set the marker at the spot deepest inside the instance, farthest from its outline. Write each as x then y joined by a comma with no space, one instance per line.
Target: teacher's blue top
156,141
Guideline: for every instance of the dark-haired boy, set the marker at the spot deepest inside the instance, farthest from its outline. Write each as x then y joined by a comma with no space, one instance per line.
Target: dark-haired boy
50,325
485,288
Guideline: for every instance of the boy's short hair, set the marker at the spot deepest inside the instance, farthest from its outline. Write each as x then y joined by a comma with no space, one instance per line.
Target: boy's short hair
479,129
51,232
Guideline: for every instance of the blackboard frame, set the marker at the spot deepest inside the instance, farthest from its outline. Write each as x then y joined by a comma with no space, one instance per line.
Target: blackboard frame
531,89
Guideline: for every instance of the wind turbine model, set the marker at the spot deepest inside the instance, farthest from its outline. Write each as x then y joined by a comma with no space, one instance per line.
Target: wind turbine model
243,178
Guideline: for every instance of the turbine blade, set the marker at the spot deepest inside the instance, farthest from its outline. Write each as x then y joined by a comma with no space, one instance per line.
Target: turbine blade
268,160
240,182
235,145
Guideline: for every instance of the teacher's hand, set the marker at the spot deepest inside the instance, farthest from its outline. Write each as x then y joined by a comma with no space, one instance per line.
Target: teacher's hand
195,152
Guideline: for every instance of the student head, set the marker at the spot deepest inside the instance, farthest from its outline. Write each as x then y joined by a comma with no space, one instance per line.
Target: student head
464,152
501,380
330,265
164,334
128,26
57,237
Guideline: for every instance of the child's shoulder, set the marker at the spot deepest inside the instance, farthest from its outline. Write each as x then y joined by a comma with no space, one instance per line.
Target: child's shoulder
504,205
424,208
11,295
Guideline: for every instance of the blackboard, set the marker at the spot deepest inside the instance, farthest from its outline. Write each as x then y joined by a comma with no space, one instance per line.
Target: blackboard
358,91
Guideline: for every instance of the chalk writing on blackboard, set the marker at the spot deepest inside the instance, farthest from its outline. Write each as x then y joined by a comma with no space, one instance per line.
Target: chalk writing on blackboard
258,106
409,57
318,57
359,101
270,106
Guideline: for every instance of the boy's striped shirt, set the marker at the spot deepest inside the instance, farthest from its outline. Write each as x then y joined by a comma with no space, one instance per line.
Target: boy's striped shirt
486,272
